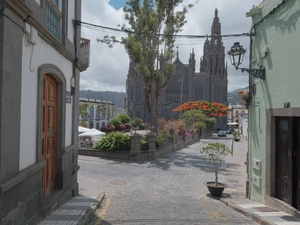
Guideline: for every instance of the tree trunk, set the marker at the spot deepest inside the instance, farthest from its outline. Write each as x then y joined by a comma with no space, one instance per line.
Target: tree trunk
153,108
216,173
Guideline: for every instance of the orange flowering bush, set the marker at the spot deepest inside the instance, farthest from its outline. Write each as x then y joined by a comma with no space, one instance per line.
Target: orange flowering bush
209,108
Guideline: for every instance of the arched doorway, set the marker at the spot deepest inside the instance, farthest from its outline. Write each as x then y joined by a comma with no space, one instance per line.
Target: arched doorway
49,132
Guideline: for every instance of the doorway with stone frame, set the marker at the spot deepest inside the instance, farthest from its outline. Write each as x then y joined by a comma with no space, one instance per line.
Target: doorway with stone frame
283,157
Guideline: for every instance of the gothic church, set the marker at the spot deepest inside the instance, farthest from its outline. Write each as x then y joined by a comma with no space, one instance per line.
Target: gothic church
209,84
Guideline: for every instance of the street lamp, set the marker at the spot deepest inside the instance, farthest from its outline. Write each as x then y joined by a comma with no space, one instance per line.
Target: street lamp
236,54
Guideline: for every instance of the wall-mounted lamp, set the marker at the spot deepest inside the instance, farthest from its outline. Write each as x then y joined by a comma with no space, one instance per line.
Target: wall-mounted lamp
72,85
72,82
236,54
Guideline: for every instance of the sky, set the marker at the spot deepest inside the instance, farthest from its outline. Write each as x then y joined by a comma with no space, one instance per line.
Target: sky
108,67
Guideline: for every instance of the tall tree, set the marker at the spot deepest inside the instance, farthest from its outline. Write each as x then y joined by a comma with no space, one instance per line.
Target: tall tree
152,25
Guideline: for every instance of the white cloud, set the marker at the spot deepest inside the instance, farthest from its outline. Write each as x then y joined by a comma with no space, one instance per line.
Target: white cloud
109,66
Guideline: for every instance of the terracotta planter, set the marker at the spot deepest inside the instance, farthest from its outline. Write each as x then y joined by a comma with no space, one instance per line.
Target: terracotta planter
215,191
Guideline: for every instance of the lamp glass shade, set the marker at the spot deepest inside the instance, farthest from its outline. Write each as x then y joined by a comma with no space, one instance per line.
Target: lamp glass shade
236,54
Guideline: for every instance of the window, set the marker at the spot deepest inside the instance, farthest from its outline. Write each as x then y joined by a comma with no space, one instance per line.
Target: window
85,115
54,15
98,113
91,113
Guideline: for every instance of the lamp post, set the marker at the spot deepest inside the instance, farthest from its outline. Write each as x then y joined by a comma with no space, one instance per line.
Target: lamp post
181,96
236,55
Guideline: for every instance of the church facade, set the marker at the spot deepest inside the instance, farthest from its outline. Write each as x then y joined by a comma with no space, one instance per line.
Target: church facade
209,84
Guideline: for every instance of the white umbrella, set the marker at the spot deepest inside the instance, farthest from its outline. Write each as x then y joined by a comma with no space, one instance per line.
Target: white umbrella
91,133
83,129
233,123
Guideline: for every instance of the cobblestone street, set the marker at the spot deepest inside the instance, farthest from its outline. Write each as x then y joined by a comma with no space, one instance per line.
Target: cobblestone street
169,190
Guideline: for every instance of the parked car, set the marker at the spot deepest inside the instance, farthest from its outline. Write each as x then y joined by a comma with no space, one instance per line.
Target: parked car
230,131
222,133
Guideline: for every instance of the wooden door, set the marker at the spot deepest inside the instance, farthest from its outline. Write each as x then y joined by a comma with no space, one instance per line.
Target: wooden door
288,160
296,164
284,159
49,136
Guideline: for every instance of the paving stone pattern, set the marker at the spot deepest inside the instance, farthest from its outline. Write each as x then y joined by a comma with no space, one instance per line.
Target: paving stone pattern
169,190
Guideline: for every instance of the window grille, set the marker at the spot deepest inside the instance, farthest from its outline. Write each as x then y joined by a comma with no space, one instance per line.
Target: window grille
54,18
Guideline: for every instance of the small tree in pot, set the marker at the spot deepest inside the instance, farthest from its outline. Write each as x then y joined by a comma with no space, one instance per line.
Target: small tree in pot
214,152
236,135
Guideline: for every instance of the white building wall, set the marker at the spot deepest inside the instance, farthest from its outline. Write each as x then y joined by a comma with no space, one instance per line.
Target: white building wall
71,16
32,58
245,127
68,140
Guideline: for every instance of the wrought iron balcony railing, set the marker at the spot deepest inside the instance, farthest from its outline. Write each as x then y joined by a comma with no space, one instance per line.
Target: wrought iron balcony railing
85,51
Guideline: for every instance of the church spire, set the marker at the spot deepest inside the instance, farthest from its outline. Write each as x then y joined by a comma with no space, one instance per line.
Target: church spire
216,26
192,64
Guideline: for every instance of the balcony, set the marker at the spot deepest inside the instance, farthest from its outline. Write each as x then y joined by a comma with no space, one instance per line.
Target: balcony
84,53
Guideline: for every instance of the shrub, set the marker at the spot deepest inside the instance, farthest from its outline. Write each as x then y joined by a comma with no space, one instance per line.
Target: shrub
115,122
136,122
108,128
145,142
236,134
123,118
128,126
115,141
83,123
164,127
122,127
210,123
159,141
142,126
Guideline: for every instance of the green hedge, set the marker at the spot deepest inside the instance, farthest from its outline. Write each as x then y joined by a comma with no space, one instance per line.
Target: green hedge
114,141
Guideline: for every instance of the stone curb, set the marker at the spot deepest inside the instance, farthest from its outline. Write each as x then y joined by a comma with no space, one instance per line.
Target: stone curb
88,217
256,218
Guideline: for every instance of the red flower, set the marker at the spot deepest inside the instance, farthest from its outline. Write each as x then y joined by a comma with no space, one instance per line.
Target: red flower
213,108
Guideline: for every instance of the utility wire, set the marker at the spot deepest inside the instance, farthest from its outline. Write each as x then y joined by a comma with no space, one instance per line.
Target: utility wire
174,35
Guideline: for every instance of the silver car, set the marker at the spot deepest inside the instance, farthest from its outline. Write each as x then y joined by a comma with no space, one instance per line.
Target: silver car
222,133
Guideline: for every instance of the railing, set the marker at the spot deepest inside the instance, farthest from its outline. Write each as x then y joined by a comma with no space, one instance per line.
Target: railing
85,51
53,22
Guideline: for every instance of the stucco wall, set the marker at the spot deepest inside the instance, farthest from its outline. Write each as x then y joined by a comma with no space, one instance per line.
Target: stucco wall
71,16
33,56
278,32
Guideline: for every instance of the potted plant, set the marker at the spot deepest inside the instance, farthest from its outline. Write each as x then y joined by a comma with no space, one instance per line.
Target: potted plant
236,135
214,151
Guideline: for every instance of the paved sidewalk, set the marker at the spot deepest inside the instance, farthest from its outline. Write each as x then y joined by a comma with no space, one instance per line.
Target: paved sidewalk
80,209
236,178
